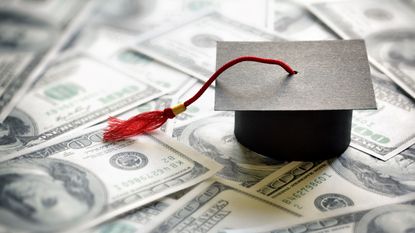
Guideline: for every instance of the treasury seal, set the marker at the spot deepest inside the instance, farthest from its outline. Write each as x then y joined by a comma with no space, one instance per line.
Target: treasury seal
129,160
331,201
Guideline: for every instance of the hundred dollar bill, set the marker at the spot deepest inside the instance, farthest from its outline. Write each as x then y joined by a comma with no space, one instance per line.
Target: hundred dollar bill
214,205
353,179
113,47
294,21
102,41
29,39
380,132
135,220
396,217
77,92
213,136
53,11
138,219
82,181
136,15
144,15
140,16
191,45
386,26
146,68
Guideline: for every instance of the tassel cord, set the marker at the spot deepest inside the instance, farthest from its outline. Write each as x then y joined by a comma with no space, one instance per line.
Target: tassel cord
227,65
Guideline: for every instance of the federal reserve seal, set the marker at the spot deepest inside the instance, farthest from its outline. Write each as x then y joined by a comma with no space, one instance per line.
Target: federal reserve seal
331,201
129,160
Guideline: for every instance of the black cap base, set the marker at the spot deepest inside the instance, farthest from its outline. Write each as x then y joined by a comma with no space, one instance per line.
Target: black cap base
295,135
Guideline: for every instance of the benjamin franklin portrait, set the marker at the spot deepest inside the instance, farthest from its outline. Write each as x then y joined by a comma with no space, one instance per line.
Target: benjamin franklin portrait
215,138
388,219
16,130
395,48
24,33
47,195
393,177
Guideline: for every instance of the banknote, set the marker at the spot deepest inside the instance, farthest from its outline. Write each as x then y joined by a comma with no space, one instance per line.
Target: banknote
82,181
113,46
191,45
135,220
146,68
136,15
353,179
102,41
393,217
30,39
53,11
380,132
140,16
213,136
214,205
292,20
386,26
76,92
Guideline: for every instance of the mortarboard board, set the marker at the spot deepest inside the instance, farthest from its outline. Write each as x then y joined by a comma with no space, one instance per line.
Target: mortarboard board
300,117
306,116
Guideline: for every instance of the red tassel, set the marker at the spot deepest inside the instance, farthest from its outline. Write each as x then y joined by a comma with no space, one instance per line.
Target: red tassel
145,122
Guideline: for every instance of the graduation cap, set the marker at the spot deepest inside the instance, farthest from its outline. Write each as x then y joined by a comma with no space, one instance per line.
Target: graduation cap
304,114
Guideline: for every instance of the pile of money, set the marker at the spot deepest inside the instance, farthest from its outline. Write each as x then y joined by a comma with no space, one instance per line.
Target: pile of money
66,66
